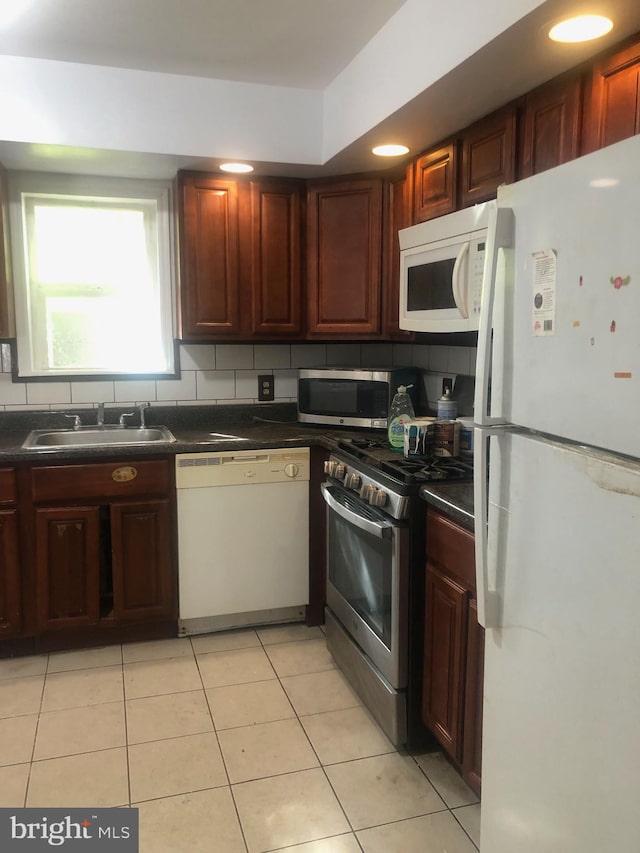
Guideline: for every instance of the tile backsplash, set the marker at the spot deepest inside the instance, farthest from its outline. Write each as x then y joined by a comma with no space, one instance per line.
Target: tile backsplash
214,374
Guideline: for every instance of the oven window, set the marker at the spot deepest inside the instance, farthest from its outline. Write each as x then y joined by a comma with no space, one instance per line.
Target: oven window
360,568
429,286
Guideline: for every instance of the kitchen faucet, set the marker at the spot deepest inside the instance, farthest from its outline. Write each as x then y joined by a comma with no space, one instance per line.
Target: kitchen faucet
142,409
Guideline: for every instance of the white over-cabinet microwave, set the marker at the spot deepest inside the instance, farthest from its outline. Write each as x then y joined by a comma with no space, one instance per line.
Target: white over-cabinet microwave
441,271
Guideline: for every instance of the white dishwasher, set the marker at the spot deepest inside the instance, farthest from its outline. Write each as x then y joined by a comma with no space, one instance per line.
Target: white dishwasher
243,538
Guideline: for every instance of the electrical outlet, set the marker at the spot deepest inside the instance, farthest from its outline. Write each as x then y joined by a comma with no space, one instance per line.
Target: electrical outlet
447,382
265,387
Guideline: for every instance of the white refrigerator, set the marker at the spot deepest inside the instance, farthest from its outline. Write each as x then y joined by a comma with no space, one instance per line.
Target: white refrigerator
557,496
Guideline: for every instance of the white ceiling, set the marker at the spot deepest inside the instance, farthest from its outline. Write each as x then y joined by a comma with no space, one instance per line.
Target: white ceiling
301,43
300,87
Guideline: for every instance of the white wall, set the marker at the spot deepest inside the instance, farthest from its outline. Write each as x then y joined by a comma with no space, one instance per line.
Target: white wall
65,103
219,374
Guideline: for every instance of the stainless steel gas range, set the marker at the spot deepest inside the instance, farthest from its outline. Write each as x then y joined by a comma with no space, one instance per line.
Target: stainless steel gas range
375,576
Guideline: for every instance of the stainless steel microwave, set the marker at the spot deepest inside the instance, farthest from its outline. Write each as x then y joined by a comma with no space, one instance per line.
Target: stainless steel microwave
355,397
441,271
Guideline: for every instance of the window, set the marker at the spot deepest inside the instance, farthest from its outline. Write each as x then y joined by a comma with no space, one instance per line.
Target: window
93,270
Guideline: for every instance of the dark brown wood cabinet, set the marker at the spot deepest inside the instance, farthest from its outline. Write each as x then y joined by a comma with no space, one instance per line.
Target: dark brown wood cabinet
275,258
68,566
141,556
612,101
436,182
10,592
209,257
453,646
445,624
240,258
397,214
344,258
488,156
104,550
551,125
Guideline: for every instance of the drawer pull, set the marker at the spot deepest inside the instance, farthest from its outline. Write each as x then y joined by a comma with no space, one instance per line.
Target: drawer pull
124,474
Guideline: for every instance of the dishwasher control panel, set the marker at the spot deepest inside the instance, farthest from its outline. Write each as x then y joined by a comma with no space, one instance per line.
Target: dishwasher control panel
235,467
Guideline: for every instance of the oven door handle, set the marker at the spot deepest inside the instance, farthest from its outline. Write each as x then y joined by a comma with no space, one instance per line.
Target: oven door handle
380,529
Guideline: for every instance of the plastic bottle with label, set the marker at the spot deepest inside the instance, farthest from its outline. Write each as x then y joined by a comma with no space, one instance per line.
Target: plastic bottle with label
400,412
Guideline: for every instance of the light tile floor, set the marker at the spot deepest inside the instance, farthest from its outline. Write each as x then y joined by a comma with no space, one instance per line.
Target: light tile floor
241,742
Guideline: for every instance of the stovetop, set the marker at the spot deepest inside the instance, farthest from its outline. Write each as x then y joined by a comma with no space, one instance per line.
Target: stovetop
377,456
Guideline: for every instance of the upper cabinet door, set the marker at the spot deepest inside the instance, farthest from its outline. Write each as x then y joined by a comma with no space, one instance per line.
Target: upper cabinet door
344,256
209,254
551,125
435,182
488,156
276,286
6,302
398,202
612,105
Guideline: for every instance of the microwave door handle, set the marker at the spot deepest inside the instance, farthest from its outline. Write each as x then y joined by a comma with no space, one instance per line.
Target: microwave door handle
459,296
381,530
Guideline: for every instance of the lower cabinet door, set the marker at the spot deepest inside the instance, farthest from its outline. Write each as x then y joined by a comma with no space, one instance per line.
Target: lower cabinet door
142,560
67,566
445,634
10,608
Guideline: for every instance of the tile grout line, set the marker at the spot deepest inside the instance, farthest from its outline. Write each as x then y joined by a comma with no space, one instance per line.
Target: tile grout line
320,764
126,727
446,808
296,715
222,758
35,736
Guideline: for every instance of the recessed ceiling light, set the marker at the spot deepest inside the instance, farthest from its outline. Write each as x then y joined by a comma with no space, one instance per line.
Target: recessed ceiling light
581,28
390,150
238,168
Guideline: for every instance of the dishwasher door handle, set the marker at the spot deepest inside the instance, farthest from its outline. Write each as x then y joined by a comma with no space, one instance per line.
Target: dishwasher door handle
379,529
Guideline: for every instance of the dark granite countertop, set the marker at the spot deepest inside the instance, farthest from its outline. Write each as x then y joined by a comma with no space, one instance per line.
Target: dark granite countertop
196,429
454,499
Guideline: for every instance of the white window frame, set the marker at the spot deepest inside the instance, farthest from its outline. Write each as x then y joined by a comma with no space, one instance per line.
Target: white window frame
28,184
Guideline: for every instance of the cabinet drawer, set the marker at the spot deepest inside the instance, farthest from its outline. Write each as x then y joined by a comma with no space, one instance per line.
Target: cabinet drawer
102,480
7,485
452,548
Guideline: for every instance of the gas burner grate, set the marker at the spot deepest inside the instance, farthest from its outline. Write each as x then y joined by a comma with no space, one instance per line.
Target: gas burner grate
425,470
377,455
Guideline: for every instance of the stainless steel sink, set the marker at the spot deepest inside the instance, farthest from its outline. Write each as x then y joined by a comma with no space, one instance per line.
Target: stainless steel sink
97,437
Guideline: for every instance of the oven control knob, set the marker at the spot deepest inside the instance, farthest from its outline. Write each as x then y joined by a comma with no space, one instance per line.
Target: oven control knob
352,481
377,497
334,469
366,491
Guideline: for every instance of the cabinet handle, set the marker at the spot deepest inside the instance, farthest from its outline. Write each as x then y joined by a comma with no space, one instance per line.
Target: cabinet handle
124,474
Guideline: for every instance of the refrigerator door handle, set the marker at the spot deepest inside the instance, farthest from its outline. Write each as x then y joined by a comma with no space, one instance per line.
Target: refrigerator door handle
459,297
487,597
499,236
